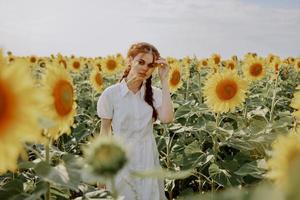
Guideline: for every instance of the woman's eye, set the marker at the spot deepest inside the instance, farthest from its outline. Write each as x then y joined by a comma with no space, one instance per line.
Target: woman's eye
141,62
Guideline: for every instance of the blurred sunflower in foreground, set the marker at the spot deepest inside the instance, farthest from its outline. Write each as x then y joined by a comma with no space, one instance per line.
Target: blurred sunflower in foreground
60,105
285,156
19,114
224,91
105,156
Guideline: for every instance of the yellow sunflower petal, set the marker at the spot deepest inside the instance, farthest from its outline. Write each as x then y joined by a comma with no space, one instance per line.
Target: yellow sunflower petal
19,114
224,91
61,105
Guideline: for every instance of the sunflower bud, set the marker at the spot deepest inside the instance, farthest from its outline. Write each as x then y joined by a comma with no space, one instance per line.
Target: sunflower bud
106,156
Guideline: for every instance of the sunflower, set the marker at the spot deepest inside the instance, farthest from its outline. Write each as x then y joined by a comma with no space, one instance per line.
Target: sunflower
271,57
275,66
19,114
96,80
61,106
110,65
254,69
297,64
224,91
231,64
175,76
249,56
285,154
201,64
214,62
61,61
121,59
235,58
216,58
291,60
296,104
97,64
75,64
106,156
32,59
171,60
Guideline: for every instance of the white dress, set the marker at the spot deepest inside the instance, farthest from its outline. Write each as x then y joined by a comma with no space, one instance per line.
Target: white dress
132,122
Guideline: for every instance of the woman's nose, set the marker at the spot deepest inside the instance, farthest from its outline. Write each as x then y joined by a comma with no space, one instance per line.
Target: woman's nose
145,68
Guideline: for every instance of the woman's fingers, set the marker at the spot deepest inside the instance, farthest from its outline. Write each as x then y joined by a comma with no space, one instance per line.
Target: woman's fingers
101,186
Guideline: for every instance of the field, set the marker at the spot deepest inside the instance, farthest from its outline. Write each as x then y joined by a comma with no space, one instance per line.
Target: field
235,133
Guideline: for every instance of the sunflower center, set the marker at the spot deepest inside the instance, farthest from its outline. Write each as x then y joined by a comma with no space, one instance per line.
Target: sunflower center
256,69
111,65
7,106
276,67
32,59
231,66
99,79
175,77
63,97
217,59
204,63
76,65
298,64
226,89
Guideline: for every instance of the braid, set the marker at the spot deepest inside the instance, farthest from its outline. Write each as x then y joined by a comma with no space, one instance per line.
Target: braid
125,73
149,97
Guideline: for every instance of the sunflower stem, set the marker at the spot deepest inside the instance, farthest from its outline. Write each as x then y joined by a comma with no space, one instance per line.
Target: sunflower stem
114,192
273,100
217,119
47,152
200,93
187,88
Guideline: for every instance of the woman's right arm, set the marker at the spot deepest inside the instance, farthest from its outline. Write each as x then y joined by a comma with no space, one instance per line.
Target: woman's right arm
105,129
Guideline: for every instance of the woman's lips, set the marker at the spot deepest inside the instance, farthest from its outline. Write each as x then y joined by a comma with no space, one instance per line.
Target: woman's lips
142,74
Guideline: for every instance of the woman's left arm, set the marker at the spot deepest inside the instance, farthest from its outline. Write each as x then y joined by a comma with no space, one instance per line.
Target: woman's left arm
166,110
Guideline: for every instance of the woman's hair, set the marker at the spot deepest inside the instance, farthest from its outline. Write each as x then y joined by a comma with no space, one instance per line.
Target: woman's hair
135,49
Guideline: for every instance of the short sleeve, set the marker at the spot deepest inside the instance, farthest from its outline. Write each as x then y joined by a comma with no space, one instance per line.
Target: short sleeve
157,96
104,106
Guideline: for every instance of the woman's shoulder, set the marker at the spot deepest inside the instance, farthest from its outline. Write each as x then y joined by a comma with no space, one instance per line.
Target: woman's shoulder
112,89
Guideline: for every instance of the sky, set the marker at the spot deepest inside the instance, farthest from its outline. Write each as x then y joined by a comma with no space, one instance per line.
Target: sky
176,27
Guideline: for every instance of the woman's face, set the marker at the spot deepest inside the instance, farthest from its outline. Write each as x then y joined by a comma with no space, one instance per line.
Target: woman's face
142,65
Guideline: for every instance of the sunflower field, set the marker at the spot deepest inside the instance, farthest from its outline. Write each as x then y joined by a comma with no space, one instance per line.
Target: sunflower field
236,132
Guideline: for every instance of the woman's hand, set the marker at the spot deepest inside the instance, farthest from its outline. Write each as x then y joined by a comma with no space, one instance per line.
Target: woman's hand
101,186
163,69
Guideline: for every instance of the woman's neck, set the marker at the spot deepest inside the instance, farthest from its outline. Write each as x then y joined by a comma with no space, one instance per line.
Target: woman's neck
133,85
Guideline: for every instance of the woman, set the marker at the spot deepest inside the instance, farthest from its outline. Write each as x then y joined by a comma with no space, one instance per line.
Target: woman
130,107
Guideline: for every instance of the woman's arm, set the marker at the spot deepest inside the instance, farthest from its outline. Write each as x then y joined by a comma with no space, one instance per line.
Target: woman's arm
166,110
105,129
